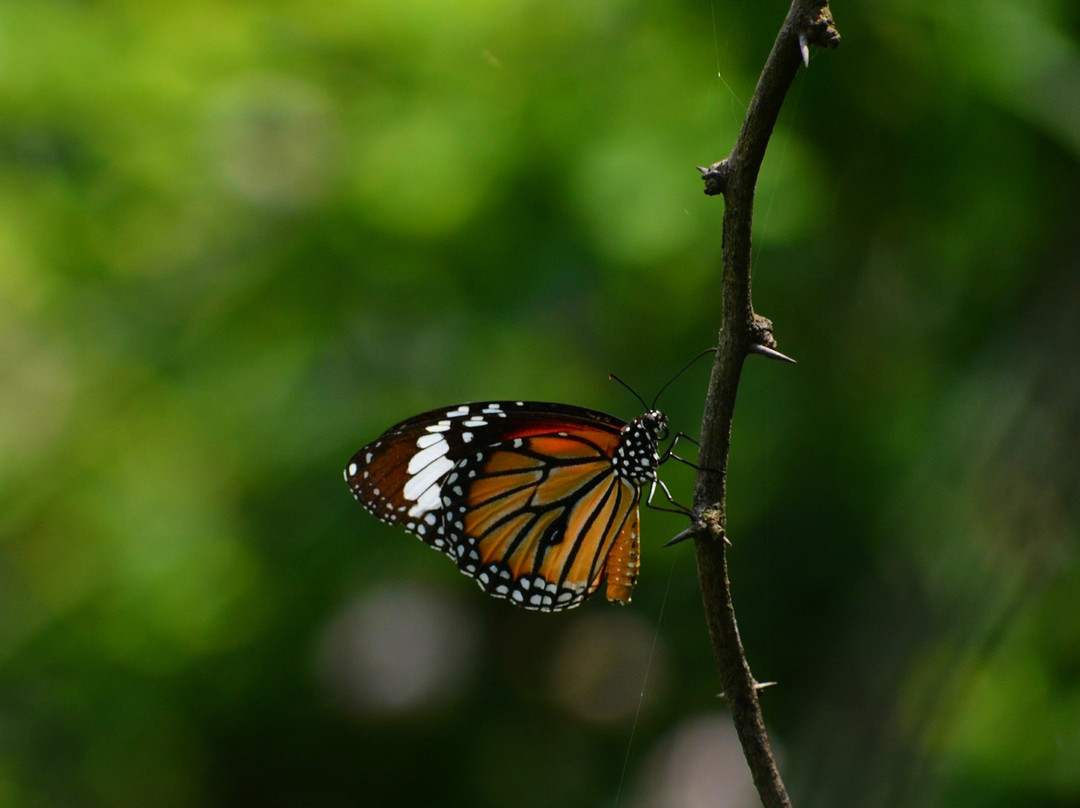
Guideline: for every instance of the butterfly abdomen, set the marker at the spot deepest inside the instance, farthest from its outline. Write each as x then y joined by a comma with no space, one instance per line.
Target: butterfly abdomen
623,563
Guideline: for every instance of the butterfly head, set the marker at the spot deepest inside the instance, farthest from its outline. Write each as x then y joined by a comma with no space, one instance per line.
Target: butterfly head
637,457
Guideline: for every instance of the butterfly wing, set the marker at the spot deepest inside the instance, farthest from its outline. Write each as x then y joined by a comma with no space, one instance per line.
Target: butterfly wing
539,515
522,495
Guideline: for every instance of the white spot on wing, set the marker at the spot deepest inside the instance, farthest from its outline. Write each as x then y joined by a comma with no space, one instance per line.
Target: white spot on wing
421,488
427,440
428,454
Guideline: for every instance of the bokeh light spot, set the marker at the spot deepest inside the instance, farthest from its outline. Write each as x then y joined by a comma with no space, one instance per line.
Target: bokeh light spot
394,649
698,765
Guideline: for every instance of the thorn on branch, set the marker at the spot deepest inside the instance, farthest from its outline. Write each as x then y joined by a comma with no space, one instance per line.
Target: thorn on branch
758,687
681,536
804,48
692,532
716,177
771,353
763,342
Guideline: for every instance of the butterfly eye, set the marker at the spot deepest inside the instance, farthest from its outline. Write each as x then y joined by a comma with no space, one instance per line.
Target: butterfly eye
663,433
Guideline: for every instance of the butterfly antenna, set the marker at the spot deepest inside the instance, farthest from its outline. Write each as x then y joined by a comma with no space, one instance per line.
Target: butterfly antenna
683,370
613,377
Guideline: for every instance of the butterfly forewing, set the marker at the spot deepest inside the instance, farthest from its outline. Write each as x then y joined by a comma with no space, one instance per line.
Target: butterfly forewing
529,498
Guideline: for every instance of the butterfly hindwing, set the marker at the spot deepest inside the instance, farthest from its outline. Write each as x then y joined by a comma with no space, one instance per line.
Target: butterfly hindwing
534,518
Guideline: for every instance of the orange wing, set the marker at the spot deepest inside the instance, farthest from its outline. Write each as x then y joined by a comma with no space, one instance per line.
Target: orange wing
540,518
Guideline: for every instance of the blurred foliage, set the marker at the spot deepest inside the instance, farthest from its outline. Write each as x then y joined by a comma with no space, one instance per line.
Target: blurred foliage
240,239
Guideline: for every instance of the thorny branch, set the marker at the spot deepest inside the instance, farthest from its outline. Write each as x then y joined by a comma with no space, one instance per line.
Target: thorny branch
808,22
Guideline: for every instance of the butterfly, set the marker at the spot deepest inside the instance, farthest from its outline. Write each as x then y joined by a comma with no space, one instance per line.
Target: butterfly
537,502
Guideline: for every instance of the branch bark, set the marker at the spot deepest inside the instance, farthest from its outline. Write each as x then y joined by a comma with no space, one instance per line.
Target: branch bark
808,22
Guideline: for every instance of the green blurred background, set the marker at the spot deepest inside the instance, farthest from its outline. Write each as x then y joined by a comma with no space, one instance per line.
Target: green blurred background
240,239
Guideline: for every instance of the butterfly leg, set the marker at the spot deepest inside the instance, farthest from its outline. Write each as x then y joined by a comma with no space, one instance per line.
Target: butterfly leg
679,508
669,454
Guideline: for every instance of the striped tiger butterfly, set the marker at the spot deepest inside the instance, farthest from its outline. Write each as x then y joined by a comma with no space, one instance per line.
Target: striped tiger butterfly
535,501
